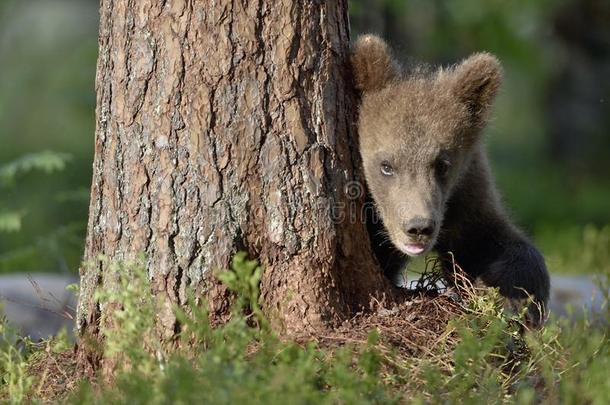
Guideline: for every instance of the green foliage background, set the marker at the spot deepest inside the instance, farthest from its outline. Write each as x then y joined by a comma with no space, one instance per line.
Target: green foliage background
48,54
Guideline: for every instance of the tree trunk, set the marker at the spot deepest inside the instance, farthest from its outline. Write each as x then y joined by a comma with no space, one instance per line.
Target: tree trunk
225,126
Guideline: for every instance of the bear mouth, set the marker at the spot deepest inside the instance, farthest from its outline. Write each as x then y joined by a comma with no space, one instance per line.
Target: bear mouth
414,249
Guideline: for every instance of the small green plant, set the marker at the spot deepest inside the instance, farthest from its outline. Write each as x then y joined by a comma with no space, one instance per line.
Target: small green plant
130,335
15,383
244,279
235,362
485,354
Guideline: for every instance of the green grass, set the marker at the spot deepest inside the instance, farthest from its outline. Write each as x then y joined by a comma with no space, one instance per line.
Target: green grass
483,356
576,250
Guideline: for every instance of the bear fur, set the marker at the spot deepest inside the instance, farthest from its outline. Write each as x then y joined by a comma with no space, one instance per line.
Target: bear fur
428,175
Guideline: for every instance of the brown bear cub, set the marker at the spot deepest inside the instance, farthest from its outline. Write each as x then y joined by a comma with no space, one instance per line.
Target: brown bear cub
427,172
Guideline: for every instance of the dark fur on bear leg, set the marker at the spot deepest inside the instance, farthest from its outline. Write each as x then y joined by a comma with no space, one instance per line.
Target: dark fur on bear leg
502,257
520,274
487,245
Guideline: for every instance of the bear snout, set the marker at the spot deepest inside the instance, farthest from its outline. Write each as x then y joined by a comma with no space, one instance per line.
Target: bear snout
419,228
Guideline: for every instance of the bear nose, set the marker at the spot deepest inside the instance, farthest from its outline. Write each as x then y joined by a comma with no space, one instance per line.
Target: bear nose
419,227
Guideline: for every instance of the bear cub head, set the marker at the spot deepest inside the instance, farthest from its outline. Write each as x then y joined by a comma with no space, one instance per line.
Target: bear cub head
418,134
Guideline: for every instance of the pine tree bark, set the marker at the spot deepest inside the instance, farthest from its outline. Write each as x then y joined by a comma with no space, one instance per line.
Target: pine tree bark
225,126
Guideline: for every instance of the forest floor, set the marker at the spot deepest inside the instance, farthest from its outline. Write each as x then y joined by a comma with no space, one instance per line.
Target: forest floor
458,344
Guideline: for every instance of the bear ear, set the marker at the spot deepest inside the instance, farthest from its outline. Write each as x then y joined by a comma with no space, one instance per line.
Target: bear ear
475,82
372,63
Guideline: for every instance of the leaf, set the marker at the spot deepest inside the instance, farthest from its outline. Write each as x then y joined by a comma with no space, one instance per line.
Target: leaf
10,221
46,161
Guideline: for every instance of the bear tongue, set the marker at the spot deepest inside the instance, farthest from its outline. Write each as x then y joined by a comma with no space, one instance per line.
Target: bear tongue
415,248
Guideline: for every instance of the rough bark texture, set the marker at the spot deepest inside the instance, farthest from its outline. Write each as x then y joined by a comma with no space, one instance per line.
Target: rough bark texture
226,126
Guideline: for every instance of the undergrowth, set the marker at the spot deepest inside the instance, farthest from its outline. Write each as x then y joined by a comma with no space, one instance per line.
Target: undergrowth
483,354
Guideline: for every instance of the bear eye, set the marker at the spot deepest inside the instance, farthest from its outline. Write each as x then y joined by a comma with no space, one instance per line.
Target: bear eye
442,166
386,168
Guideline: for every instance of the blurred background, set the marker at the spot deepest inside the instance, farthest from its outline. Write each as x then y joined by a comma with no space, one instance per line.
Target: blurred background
549,139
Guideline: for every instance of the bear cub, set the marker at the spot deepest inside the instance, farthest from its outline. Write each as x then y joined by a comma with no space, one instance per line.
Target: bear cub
427,172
